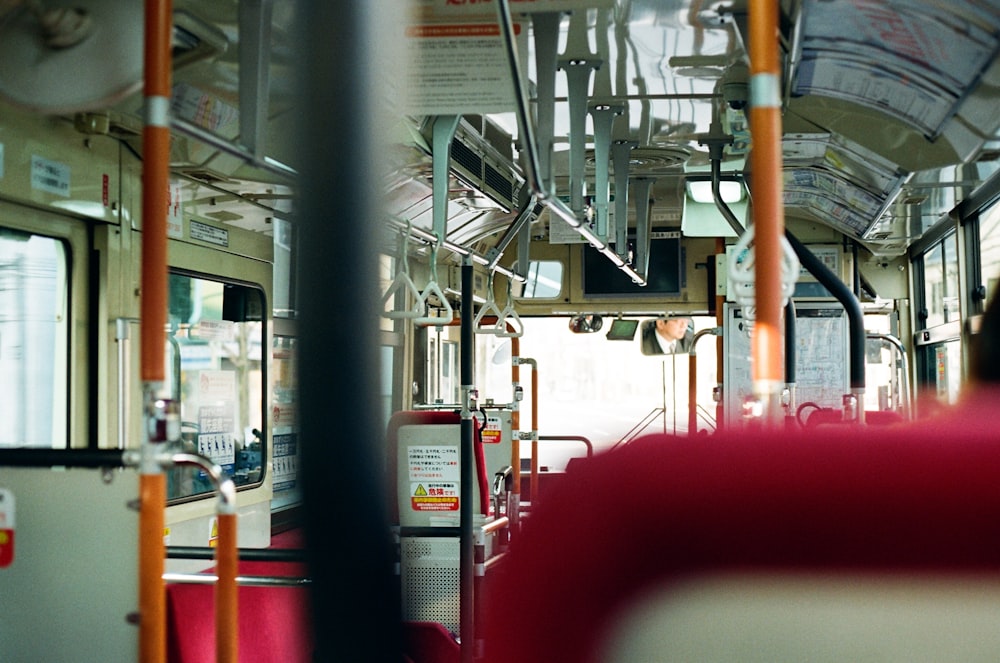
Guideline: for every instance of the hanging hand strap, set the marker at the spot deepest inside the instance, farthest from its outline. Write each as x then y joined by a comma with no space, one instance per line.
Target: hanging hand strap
509,315
432,288
488,308
402,281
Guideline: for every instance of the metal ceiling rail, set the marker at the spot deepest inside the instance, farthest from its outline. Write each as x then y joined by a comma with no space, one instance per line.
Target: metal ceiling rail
429,237
239,151
249,199
539,189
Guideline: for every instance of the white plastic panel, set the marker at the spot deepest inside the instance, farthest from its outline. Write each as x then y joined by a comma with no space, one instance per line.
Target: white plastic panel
73,582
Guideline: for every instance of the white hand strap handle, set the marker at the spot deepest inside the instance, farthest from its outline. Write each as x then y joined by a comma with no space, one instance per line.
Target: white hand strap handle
402,281
509,315
741,270
488,308
432,288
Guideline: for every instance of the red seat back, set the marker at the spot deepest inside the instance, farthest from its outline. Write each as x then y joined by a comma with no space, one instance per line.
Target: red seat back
275,623
919,498
398,487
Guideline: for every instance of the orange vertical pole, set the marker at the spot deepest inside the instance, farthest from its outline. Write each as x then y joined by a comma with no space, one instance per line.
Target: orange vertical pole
768,212
226,607
155,184
692,393
152,592
155,187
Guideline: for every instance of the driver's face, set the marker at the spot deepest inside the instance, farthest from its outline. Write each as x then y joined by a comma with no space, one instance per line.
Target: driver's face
673,329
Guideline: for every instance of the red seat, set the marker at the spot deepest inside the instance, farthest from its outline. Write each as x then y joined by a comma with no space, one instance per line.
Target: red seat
275,623
662,511
429,566
405,418
429,642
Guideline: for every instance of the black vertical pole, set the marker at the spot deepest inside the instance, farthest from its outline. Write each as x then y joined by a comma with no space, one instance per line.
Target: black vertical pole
355,608
466,555
790,341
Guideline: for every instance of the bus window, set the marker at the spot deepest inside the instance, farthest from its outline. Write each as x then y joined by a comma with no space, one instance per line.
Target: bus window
939,343
544,279
605,390
285,422
989,247
34,327
214,363
941,282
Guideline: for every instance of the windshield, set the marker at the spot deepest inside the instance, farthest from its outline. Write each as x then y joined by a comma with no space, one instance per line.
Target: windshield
588,385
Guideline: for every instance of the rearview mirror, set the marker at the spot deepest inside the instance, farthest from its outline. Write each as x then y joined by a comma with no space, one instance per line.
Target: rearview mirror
667,335
587,323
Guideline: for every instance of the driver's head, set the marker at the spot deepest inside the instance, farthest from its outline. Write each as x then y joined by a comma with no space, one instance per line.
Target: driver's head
672,328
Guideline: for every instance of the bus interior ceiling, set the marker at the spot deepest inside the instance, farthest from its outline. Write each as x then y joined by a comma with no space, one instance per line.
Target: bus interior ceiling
876,150
873,155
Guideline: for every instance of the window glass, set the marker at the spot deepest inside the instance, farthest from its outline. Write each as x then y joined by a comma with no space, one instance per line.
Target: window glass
947,371
387,381
949,303
285,423
606,388
34,290
544,279
885,387
393,297
989,247
442,369
216,336
941,282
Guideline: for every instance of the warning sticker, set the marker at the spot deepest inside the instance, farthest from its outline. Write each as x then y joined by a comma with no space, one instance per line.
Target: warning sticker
491,432
433,462
434,496
6,528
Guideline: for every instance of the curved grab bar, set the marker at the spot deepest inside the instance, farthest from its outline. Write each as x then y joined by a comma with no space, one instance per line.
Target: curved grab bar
901,349
489,308
508,314
570,438
433,288
403,281
743,276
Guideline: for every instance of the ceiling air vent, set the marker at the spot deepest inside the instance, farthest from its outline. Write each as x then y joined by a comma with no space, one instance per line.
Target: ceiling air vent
481,158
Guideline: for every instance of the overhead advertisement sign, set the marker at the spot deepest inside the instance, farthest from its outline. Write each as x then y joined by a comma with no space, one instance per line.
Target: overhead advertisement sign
459,68
455,55
487,9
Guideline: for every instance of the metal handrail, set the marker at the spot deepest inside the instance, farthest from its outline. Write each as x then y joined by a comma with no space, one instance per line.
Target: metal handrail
246,581
897,345
706,416
643,424
244,554
570,438
539,189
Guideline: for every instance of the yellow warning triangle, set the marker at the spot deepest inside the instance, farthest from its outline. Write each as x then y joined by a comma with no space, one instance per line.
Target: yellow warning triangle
420,491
